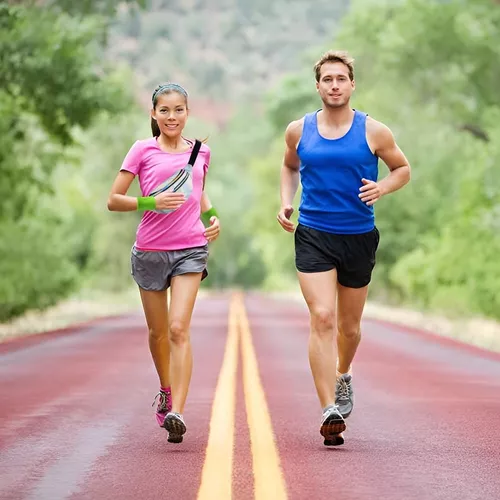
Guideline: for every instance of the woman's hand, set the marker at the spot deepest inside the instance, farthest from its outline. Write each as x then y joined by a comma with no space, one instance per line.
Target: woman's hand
212,231
169,201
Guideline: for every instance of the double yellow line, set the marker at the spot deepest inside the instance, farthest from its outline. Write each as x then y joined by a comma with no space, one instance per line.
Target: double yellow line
216,480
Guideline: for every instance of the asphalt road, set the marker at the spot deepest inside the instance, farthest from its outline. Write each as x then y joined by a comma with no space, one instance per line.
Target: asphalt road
76,420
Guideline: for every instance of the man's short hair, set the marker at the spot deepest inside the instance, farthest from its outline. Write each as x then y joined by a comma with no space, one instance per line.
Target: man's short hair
335,56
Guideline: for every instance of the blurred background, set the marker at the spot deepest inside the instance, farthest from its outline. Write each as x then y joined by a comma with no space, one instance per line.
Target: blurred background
75,84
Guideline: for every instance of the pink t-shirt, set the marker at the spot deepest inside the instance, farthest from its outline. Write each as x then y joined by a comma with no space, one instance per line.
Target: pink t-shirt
181,228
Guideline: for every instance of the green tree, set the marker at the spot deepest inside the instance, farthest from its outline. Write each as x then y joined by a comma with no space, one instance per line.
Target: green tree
428,70
52,87
50,83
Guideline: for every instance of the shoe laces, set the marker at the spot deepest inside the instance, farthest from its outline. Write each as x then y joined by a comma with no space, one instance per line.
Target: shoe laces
331,409
163,405
343,390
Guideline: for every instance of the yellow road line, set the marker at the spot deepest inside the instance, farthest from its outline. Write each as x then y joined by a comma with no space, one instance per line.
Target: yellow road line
269,483
216,479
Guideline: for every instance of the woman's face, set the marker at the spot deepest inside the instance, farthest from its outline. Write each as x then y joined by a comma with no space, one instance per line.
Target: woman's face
171,113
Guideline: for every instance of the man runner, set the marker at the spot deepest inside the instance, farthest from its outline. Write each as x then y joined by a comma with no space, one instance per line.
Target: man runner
333,153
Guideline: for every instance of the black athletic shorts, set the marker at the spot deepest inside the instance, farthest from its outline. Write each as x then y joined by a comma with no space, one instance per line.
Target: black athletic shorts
353,255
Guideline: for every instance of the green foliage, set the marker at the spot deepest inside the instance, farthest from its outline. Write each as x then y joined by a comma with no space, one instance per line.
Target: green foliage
290,100
275,246
457,268
53,85
49,85
428,70
445,50
236,258
36,266
83,8
113,234
25,165
49,70
438,234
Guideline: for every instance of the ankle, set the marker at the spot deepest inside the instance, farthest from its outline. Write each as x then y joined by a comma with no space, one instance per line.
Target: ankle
340,373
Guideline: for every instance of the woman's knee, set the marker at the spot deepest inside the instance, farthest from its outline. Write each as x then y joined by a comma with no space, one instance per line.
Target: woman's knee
178,332
158,334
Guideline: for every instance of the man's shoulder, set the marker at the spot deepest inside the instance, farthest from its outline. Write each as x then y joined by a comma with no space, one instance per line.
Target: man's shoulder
376,127
295,124
294,128
299,123
293,132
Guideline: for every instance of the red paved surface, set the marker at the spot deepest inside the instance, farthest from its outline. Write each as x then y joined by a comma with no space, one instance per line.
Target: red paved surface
76,420
426,423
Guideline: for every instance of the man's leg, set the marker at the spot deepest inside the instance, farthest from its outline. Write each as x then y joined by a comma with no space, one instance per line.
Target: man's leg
320,291
351,302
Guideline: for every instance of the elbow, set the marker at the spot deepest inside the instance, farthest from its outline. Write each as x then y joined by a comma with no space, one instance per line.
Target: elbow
290,168
408,174
404,175
110,204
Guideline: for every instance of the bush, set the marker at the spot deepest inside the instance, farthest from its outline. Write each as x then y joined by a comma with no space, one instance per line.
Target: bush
36,269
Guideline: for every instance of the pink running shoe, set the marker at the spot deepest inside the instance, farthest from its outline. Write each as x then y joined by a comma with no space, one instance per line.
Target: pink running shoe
164,406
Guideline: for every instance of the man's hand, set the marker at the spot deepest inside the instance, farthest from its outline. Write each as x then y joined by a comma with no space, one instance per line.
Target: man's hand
370,192
284,218
212,232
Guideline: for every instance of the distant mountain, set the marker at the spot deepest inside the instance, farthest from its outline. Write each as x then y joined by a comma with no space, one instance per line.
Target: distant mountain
221,50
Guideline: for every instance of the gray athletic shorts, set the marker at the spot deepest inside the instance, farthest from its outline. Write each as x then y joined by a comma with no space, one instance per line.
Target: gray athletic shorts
155,270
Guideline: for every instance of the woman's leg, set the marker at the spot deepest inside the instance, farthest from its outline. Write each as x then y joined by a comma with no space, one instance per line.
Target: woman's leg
184,290
155,310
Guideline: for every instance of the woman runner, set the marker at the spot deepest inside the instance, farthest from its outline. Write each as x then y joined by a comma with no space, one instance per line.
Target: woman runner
171,246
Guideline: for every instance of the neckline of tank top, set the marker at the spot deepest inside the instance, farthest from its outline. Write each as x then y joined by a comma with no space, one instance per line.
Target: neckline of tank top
356,113
170,152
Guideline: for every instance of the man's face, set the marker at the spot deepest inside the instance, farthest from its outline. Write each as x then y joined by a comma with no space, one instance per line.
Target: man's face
334,86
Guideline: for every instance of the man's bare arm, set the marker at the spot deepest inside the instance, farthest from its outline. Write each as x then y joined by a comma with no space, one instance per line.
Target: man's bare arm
383,144
290,179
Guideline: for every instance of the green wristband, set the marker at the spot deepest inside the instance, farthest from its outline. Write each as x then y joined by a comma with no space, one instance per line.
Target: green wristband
146,203
205,216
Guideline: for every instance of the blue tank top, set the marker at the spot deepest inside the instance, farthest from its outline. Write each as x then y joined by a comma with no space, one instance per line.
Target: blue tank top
331,171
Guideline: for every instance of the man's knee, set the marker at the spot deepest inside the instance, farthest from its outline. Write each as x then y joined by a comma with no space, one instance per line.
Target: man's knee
323,320
349,329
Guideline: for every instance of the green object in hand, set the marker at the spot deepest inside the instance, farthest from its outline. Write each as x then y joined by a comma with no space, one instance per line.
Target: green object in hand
205,216
146,203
